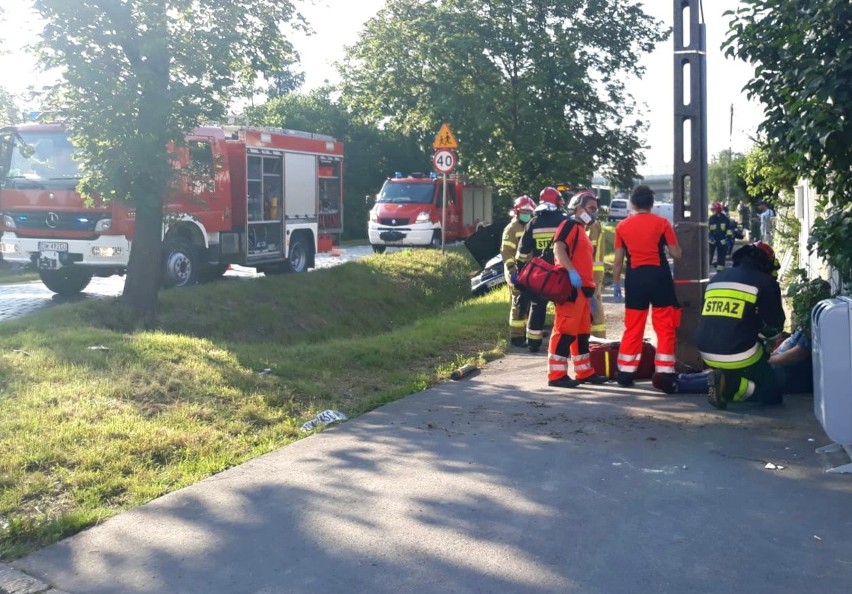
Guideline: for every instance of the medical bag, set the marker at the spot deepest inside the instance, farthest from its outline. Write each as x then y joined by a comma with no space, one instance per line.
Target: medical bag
604,357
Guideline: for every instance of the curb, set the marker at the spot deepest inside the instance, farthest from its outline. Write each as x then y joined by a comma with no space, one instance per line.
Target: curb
13,581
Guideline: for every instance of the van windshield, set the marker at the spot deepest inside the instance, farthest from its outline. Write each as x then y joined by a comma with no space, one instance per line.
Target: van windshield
406,193
39,157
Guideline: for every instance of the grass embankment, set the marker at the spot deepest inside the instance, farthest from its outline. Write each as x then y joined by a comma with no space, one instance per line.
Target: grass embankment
87,432
9,275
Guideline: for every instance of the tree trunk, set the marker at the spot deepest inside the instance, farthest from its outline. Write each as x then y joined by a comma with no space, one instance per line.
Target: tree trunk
145,267
144,270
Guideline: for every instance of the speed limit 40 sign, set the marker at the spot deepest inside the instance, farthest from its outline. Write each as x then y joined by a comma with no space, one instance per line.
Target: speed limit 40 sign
444,161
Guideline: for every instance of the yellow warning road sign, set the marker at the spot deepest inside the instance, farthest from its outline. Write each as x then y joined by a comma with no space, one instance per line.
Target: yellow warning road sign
445,139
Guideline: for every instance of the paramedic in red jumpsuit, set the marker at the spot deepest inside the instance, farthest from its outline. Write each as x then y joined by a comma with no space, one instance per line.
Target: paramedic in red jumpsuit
643,238
572,324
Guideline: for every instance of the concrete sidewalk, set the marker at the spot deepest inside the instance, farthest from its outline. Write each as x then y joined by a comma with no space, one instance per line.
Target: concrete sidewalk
499,484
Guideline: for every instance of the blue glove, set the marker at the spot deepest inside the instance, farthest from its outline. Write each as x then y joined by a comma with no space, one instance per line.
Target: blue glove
513,278
594,305
576,281
616,292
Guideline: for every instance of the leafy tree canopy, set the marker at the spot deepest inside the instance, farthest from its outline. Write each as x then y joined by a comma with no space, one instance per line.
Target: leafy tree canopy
725,178
534,90
9,112
802,54
138,75
766,179
141,73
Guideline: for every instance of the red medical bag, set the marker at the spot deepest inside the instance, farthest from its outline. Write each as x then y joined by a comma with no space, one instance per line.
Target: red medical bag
604,357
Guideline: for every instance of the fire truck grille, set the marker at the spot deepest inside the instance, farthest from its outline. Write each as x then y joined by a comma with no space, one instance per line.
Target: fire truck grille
393,222
54,221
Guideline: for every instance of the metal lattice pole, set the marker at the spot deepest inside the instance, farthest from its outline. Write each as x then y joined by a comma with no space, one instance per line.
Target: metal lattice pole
690,172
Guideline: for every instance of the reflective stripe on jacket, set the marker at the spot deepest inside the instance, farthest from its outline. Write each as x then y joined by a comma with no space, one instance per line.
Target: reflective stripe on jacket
511,238
740,303
539,233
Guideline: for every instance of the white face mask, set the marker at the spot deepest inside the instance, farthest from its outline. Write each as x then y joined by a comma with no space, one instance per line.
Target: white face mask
585,217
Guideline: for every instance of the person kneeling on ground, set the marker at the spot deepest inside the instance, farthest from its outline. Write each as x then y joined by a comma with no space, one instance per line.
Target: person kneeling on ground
791,360
742,310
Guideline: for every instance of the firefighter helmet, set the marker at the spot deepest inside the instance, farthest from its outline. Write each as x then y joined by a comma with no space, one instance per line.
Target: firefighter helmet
761,254
523,203
766,249
578,198
717,207
550,195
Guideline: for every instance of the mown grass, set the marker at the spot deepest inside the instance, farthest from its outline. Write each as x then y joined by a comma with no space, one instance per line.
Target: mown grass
88,432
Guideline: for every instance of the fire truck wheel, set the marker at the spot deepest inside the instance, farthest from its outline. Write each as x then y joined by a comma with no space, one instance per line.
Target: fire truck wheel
182,265
66,281
378,249
299,255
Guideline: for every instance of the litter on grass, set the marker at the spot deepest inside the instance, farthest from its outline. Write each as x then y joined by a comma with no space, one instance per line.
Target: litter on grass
326,417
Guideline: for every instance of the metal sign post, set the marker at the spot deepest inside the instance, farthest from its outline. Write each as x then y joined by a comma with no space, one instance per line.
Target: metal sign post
444,216
444,161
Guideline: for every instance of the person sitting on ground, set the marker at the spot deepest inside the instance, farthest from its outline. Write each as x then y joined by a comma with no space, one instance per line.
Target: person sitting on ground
791,362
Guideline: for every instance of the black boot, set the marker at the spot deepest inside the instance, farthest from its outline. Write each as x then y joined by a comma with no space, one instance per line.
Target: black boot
625,378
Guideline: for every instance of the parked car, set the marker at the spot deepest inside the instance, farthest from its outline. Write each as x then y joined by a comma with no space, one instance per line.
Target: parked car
619,209
484,246
665,210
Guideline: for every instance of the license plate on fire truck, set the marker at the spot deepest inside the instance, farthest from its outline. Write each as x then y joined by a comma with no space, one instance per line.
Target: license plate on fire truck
53,246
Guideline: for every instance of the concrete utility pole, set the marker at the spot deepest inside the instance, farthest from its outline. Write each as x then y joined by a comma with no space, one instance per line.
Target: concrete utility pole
690,172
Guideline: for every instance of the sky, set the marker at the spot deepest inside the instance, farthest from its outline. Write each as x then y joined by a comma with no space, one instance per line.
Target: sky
337,23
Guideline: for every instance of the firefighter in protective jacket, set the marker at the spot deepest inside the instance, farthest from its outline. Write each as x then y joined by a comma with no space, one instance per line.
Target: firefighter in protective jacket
742,310
537,237
572,249
596,236
720,232
522,212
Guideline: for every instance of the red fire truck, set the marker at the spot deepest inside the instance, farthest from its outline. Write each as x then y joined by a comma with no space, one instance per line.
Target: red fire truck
409,211
261,198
